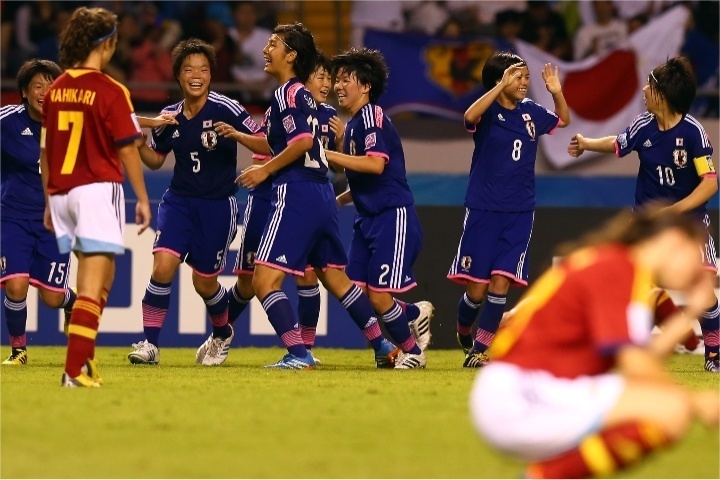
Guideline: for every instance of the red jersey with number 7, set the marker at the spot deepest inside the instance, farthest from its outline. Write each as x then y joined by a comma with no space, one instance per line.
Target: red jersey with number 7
86,116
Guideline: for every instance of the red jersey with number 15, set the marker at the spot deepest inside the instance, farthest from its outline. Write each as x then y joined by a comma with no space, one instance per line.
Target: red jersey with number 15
86,116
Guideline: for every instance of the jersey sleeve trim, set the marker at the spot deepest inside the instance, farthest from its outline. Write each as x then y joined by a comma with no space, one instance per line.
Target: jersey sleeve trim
299,136
378,154
617,149
258,156
125,141
472,127
555,127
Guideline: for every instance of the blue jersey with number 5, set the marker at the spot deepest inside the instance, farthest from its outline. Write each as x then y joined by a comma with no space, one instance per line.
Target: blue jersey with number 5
293,116
672,162
502,173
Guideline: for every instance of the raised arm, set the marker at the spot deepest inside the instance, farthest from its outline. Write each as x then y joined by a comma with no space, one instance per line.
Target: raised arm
480,106
552,83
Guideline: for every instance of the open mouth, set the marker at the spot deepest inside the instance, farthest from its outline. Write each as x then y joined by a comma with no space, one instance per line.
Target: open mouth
195,85
324,91
267,60
522,91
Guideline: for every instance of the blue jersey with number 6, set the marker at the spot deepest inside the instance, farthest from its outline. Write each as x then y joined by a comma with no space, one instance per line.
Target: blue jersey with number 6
672,162
502,173
293,116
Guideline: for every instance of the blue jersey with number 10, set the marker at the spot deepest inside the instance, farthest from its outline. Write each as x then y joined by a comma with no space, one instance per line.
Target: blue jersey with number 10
294,115
502,174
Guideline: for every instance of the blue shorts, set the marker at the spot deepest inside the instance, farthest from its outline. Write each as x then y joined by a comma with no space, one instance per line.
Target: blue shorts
28,249
199,231
493,243
384,248
302,229
255,218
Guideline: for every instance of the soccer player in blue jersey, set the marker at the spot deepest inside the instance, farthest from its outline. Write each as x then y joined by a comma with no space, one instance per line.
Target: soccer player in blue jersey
387,235
29,253
197,218
676,166
303,225
500,200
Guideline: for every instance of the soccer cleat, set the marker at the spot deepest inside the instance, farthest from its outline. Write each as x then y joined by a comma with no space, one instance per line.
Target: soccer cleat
17,357
712,364
218,349
145,353
291,362
81,380
91,370
466,342
420,328
202,349
315,359
408,361
385,357
475,360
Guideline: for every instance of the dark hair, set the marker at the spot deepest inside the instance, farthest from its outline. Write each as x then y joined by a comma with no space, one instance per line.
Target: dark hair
507,16
322,62
299,39
49,71
86,29
496,65
367,65
191,46
630,228
675,82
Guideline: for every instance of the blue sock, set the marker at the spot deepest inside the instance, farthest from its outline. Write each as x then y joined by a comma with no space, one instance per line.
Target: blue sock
489,321
16,320
217,307
308,312
361,311
282,317
467,314
396,324
236,304
710,326
68,300
411,310
155,305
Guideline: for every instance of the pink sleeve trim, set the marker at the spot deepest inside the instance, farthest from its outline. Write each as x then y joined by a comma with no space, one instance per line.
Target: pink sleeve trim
709,175
257,156
378,154
474,126
258,134
559,122
299,136
617,149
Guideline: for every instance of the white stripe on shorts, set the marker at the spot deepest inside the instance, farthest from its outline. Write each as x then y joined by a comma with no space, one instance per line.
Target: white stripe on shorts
399,253
456,260
268,239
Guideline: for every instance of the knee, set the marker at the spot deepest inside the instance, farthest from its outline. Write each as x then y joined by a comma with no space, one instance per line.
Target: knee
499,284
245,286
476,291
52,299
16,291
261,285
205,287
381,302
163,273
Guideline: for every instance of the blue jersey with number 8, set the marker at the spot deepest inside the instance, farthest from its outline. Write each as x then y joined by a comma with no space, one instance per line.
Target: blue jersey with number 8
502,173
293,116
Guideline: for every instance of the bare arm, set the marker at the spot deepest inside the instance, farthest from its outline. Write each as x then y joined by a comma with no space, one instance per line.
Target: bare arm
253,175
159,121
641,364
150,157
552,83
255,143
130,158
702,193
45,175
361,164
578,145
480,106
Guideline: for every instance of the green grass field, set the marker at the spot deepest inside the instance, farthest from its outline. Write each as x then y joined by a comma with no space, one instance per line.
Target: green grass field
345,419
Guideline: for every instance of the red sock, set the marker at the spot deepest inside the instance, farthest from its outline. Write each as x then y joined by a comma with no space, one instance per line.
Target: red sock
103,302
602,453
84,323
664,309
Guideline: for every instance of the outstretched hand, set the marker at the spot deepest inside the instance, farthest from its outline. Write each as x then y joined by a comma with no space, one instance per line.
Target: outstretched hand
576,147
552,81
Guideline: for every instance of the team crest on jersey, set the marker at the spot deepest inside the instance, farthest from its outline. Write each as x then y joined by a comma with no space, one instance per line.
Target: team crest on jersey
530,127
209,139
370,141
3,264
465,263
289,124
678,142
250,258
680,158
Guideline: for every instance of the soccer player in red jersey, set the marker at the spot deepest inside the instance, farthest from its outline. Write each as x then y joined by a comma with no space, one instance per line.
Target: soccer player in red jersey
676,166
576,376
89,136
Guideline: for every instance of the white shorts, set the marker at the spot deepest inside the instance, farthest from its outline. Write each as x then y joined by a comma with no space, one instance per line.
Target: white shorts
90,218
534,415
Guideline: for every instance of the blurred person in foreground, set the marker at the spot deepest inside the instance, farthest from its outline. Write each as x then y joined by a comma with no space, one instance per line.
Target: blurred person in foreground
676,166
576,375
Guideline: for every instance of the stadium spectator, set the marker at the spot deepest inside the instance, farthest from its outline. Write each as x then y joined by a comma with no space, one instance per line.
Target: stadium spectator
215,33
545,28
605,34
48,48
120,66
508,24
702,48
150,62
375,15
427,17
248,68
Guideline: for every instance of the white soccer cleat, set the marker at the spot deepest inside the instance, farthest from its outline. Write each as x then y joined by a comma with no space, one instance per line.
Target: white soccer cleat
145,353
408,361
218,349
420,328
202,349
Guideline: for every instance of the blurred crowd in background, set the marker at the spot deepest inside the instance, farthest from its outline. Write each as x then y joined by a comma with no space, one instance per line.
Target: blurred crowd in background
570,30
